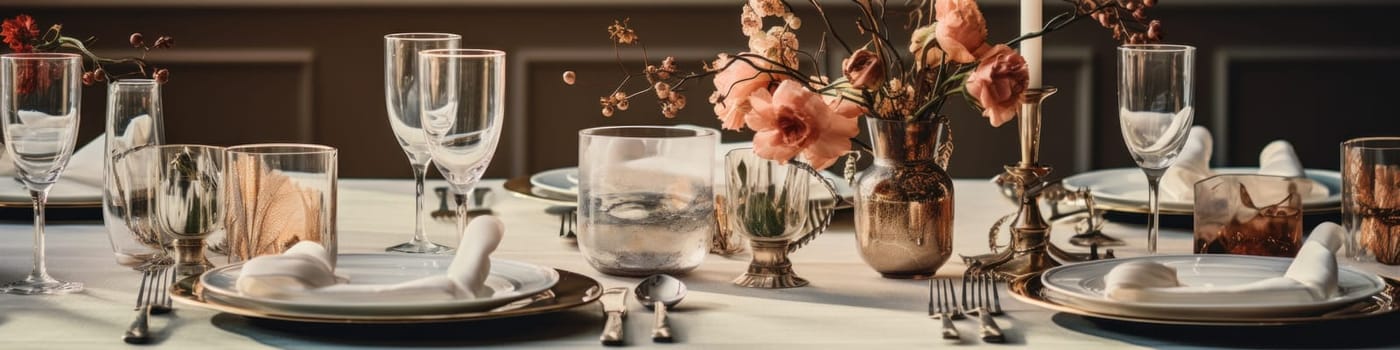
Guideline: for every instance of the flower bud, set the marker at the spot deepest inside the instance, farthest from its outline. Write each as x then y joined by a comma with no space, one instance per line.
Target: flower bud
570,77
87,78
161,76
99,74
137,40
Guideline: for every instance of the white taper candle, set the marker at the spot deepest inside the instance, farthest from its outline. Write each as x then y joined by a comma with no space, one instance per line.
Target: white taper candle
1031,21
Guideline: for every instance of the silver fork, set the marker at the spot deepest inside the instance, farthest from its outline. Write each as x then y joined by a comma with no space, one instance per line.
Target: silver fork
567,222
942,305
984,301
151,298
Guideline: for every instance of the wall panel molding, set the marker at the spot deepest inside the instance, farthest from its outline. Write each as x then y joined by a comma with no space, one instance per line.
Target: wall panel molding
302,58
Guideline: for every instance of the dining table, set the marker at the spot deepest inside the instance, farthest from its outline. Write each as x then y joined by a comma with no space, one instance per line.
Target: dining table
847,304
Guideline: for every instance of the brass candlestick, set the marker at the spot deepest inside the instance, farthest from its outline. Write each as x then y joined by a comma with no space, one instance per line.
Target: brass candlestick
1031,251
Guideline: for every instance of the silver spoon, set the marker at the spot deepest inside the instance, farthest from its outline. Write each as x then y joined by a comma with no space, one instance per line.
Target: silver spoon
659,292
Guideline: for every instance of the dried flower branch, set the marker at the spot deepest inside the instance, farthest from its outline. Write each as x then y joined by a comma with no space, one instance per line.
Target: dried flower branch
21,33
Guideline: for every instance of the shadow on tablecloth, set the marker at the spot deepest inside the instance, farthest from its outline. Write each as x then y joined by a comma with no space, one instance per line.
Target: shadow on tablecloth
1375,332
552,326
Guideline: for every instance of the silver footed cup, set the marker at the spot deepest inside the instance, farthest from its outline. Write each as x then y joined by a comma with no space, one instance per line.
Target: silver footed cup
771,204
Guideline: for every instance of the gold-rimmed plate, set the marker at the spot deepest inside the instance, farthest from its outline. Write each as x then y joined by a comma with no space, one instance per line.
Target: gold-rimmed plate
571,291
1031,290
521,187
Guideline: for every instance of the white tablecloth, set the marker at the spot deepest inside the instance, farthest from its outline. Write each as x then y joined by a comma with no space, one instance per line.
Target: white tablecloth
846,306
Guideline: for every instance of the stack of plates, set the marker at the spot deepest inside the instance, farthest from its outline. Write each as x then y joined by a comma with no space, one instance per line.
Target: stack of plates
1079,289
520,289
1125,190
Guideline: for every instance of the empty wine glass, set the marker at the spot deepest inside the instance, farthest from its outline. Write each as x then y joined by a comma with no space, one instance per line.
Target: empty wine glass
41,98
463,101
405,117
1155,108
188,199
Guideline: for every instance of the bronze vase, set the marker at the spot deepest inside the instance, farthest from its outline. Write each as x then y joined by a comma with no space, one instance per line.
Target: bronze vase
904,202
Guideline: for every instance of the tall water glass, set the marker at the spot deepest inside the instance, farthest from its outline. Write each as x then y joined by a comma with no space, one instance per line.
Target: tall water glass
463,101
1155,107
405,117
40,100
1371,198
280,194
134,120
646,198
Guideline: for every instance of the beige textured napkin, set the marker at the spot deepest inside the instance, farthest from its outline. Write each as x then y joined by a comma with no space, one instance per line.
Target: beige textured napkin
1193,165
1311,277
305,272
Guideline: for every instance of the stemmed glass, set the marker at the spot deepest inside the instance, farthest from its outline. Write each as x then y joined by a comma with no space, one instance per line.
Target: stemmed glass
463,101
40,98
188,200
405,117
1154,111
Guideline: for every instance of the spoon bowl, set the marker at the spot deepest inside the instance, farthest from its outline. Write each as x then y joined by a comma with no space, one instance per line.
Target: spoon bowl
663,288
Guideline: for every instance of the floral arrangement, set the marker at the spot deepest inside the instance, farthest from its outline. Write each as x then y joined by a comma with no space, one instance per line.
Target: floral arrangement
22,35
794,112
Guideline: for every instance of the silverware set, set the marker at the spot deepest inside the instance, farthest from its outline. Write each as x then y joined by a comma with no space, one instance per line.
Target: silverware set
153,298
980,298
657,292
480,204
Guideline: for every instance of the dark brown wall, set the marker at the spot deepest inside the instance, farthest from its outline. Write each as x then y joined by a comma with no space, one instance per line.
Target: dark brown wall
1313,72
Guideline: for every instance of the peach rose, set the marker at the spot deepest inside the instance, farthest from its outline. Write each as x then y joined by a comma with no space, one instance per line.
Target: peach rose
795,120
961,30
864,69
733,86
998,83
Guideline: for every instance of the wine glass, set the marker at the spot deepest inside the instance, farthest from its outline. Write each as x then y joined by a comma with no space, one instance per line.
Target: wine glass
463,101
41,102
405,117
1154,111
188,198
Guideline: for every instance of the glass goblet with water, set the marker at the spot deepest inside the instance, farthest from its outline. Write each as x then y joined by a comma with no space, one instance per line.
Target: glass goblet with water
1155,107
401,96
41,99
463,102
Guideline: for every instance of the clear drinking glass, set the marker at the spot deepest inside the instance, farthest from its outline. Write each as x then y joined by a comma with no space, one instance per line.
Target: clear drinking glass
134,120
188,200
41,97
1371,198
280,194
405,117
646,198
1155,107
463,101
1249,214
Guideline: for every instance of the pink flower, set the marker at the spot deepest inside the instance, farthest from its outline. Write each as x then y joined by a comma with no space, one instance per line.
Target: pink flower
795,120
864,69
998,83
961,30
733,85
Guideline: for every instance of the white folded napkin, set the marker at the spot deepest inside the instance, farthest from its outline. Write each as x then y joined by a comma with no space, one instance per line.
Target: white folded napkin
1193,165
1311,277
85,166
305,272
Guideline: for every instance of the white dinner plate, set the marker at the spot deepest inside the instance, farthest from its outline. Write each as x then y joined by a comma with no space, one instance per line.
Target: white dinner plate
562,180
1082,286
561,185
1126,188
65,193
510,279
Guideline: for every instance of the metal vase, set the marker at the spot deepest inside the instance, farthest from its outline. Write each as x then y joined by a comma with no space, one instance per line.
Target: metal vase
904,201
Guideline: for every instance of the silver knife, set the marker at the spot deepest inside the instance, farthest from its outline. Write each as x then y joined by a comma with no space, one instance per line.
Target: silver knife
615,306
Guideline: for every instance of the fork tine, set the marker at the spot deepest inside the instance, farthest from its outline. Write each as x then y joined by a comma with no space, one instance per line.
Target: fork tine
931,286
141,292
996,299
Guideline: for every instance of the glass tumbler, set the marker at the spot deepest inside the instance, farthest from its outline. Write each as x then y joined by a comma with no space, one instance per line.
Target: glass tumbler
280,194
1371,198
134,121
646,198
1249,214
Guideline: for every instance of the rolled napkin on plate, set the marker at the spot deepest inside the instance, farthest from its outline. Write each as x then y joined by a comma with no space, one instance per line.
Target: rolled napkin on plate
305,272
1311,277
1193,165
